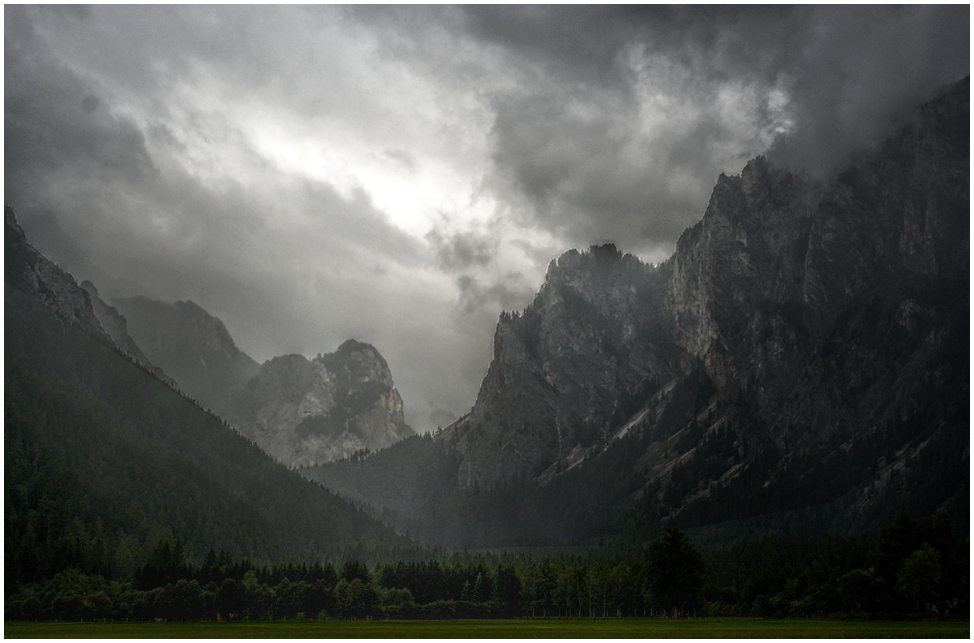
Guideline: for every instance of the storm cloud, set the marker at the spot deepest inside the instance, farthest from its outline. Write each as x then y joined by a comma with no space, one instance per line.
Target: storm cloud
632,112
401,175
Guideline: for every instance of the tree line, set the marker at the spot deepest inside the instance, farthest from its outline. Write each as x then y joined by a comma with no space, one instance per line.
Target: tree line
914,568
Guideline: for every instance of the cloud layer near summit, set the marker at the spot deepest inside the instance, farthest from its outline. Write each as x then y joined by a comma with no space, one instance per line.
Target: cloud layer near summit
400,175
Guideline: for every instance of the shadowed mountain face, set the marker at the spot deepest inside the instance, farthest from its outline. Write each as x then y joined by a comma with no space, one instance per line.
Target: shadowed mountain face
806,345
192,346
829,307
103,459
28,271
301,411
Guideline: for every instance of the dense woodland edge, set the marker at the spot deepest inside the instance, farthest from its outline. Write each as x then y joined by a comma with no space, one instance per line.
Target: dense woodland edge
914,569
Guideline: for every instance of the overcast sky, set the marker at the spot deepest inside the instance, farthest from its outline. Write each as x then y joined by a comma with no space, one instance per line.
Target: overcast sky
401,175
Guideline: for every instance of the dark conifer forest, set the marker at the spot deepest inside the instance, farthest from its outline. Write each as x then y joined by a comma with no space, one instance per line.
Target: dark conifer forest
915,568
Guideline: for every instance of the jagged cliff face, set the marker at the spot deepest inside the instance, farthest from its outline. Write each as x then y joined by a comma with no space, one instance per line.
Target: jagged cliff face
190,345
792,314
738,272
29,271
305,412
596,329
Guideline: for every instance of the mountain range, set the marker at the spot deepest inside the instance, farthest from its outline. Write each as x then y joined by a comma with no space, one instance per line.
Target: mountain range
302,412
801,359
105,458
799,365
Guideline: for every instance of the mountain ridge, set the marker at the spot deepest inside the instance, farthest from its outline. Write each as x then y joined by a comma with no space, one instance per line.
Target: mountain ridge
742,293
104,459
301,411
803,347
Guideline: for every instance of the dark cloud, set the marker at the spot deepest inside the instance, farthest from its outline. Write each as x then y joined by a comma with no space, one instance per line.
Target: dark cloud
53,137
460,251
587,43
812,84
575,173
862,71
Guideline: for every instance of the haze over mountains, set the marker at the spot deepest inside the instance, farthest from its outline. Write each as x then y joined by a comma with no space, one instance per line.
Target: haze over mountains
805,350
301,411
104,460
800,364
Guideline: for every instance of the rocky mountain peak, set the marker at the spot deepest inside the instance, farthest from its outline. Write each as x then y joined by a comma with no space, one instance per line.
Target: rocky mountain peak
301,411
550,388
305,412
793,304
357,362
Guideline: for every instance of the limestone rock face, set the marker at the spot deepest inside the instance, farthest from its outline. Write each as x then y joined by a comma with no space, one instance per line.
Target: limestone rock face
745,255
192,346
301,411
596,331
305,412
792,314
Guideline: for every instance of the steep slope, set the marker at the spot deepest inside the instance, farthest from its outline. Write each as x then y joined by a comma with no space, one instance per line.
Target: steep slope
593,331
102,459
305,412
192,346
28,271
115,324
301,411
803,354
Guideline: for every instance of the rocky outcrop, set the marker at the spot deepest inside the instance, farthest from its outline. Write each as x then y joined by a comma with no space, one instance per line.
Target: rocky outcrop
192,346
305,412
301,411
596,329
793,314
29,271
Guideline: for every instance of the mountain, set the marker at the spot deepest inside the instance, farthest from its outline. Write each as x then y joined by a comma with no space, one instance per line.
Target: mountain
301,411
103,460
305,412
192,346
30,272
116,326
801,360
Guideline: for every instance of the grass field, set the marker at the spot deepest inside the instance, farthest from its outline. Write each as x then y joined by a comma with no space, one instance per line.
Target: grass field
625,628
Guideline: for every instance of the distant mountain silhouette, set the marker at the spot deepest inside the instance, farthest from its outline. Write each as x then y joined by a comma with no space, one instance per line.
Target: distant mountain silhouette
103,459
300,411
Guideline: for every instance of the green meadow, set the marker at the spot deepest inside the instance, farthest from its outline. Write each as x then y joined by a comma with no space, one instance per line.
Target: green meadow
520,628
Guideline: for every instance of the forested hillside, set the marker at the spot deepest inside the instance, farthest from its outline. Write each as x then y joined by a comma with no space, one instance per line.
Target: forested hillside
103,461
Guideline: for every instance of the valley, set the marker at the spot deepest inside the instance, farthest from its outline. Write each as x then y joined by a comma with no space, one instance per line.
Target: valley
789,389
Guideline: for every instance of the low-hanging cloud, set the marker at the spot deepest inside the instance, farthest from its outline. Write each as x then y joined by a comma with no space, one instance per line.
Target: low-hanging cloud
635,111
459,251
